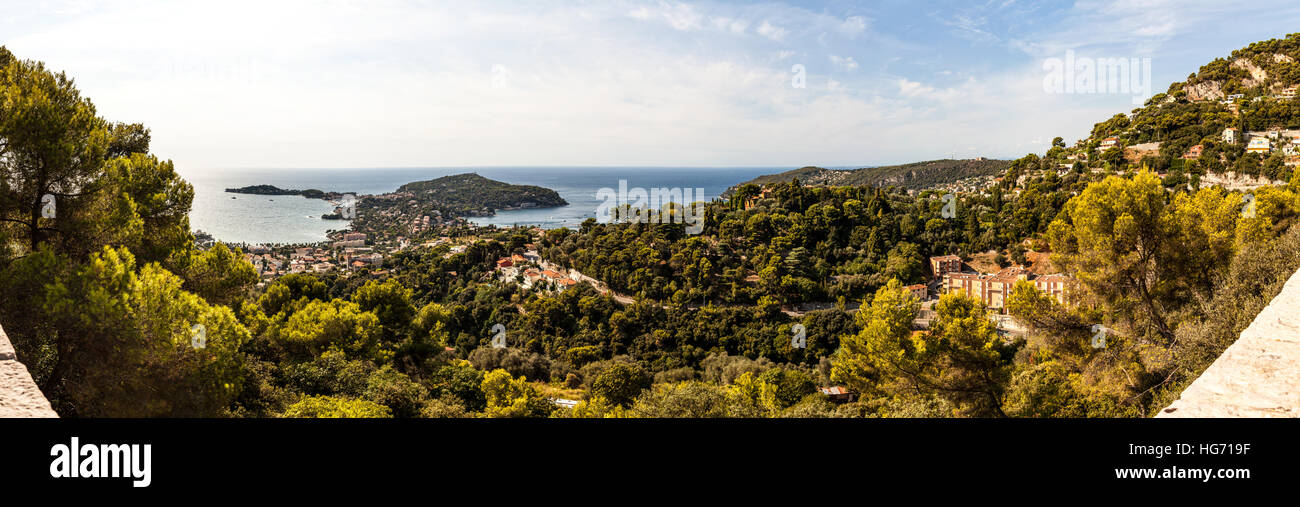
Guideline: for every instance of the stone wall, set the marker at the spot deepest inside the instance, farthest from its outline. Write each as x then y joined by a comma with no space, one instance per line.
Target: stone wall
1259,374
19,396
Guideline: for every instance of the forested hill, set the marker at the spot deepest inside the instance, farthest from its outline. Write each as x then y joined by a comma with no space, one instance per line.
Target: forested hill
916,175
471,191
1253,91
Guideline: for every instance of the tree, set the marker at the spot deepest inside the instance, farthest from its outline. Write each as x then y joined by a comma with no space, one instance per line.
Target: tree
879,356
513,397
1115,238
291,292
462,381
336,407
904,262
971,364
322,325
621,383
396,391
220,275
51,143
1063,330
126,139
389,301
148,206
683,400
126,346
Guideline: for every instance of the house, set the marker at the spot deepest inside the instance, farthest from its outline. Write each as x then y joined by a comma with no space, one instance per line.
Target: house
1259,145
838,394
505,263
1109,142
919,291
1230,135
945,264
1193,153
355,236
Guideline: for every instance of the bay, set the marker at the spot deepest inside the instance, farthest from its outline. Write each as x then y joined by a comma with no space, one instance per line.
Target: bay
294,219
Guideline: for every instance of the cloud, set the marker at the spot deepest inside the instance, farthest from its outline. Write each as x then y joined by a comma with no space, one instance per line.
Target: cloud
623,82
854,25
678,15
771,31
844,62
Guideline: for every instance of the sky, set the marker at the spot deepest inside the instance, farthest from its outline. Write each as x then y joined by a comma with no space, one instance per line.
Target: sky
378,83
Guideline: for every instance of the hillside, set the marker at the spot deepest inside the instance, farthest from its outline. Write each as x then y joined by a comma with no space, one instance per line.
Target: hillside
916,175
1252,91
470,191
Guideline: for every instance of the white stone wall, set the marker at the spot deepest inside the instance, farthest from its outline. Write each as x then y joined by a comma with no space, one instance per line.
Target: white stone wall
1259,375
19,396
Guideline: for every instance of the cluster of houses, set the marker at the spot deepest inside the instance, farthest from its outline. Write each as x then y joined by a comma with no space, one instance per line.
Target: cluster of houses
992,289
349,253
526,269
415,223
1263,143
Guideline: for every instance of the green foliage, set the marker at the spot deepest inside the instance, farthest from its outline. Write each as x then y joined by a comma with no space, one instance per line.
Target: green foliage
683,400
396,391
513,397
391,303
335,407
220,275
325,325
126,348
620,384
884,353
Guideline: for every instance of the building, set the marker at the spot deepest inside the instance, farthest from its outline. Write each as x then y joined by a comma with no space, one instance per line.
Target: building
355,236
994,289
1193,153
919,291
945,264
1259,144
990,289
1109,142
1054,285
838,394
1230,135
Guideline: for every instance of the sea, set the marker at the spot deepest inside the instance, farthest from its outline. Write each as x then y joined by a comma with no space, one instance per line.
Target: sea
291,219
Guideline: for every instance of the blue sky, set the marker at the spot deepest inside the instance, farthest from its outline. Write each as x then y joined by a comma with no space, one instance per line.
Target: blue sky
615,82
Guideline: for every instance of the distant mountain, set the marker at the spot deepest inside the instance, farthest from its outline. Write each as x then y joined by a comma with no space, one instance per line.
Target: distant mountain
469,191
916,175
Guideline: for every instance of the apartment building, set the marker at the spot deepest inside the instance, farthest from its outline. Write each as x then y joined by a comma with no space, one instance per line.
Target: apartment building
995,288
